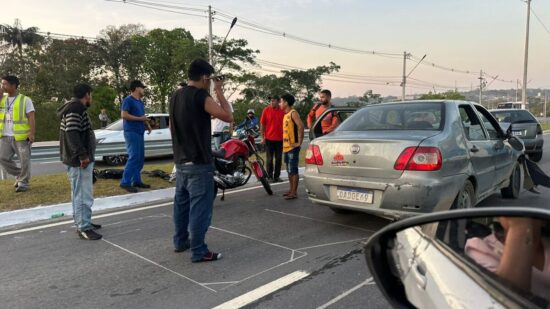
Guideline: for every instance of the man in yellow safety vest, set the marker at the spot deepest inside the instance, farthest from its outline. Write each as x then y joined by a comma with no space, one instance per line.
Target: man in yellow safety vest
17,129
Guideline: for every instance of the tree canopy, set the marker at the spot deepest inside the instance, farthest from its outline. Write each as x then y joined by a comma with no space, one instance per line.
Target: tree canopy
49,66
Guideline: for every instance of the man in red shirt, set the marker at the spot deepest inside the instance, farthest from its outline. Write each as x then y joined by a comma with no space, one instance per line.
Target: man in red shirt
271,127
330,122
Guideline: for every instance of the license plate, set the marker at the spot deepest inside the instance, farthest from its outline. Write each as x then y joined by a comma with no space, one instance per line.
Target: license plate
517,133
355,195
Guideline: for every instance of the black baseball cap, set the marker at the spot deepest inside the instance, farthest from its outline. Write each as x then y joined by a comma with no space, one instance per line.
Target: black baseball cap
136,84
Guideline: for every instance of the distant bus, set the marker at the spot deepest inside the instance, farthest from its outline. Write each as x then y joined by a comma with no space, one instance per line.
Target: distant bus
511,105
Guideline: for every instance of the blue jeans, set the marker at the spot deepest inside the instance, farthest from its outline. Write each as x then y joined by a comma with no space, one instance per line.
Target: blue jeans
135,146
82,196
193,205
292,158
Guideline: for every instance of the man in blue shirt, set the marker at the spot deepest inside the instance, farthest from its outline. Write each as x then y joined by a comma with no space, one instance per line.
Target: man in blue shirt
250,121
134,122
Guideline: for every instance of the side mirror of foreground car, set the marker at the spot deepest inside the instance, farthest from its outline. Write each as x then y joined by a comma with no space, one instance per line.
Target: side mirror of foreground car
473,258
516,143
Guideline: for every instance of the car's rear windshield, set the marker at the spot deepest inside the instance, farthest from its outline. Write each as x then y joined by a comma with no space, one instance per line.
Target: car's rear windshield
515,116
399,116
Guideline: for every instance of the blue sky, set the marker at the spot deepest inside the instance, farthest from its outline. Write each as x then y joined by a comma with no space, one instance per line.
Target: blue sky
462,34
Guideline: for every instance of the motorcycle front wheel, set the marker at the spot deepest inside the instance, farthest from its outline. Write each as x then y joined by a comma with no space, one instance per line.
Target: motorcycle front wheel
264,181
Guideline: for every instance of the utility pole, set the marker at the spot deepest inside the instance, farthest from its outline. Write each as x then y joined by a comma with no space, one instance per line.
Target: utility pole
545,99
481,85
404,82
524,88
210,54
517,90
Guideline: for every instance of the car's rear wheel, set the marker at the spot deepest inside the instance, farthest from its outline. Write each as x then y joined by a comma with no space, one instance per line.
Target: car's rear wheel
512,191
341,211
466,197
535,156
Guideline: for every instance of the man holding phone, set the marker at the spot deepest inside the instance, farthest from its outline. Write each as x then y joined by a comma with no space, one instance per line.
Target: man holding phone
17,131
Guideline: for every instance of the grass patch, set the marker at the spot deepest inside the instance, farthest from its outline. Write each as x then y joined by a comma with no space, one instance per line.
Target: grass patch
545,126
55,189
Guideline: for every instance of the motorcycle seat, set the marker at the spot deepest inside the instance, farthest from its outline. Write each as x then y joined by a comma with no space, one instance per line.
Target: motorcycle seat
218,153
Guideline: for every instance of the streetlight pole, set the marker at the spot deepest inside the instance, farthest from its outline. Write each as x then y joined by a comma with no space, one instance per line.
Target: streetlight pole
525,59
404,82
210,54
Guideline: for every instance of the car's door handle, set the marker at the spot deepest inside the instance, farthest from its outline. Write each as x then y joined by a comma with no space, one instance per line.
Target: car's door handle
474,149
420,276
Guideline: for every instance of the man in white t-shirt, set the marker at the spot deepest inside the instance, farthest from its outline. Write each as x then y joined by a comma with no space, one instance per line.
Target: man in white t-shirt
221,130
17,132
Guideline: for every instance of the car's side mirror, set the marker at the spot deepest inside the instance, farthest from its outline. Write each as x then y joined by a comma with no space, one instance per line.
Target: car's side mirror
515,142
473,258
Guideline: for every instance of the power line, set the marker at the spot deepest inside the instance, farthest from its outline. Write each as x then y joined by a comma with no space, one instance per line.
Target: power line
540,20
153,6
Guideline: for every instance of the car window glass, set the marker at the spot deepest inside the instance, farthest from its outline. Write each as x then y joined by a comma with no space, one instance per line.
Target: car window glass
154,122
493,132
481,242
472,127
516,116
406,116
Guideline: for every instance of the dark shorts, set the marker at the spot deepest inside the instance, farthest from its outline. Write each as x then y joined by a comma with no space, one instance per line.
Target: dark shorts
292,158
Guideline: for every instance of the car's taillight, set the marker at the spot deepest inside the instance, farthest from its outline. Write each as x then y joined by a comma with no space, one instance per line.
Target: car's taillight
313,155
419,159
539,129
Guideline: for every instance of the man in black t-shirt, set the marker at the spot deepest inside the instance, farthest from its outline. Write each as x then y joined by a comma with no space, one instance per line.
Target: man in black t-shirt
191,109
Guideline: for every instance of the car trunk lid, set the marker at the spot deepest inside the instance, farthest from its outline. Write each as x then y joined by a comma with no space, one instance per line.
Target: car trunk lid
367,154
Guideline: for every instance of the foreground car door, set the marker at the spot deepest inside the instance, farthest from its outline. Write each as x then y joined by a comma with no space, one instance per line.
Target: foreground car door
502,153
342,113
480,148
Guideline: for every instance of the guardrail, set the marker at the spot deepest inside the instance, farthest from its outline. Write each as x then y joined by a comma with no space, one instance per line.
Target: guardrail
49,151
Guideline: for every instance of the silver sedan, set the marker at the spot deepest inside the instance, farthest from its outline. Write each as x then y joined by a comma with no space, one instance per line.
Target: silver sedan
401,159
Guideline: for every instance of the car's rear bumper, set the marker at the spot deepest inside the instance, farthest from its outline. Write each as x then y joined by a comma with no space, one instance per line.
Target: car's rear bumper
413,193
533,145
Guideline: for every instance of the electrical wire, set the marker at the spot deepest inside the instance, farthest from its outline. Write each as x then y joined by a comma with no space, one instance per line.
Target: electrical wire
540,20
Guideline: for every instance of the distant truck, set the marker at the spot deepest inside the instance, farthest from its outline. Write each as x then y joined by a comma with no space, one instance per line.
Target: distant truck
511,105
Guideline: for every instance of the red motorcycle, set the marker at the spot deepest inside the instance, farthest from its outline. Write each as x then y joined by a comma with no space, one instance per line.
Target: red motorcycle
236,160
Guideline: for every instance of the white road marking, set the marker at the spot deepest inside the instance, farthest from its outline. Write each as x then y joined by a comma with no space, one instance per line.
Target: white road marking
252,238
43,226
333,243
369,281
321,221
264,290
158,265
39,227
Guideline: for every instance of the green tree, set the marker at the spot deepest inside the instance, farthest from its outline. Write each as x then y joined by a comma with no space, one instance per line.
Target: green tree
168,54
303,84
63,63
449,95
120,55
17,37
369,97
103,96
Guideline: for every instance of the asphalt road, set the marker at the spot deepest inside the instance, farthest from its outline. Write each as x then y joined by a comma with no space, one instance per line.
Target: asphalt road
262,238
267,242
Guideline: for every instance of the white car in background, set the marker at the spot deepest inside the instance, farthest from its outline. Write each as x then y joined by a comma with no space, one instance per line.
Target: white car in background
158,143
